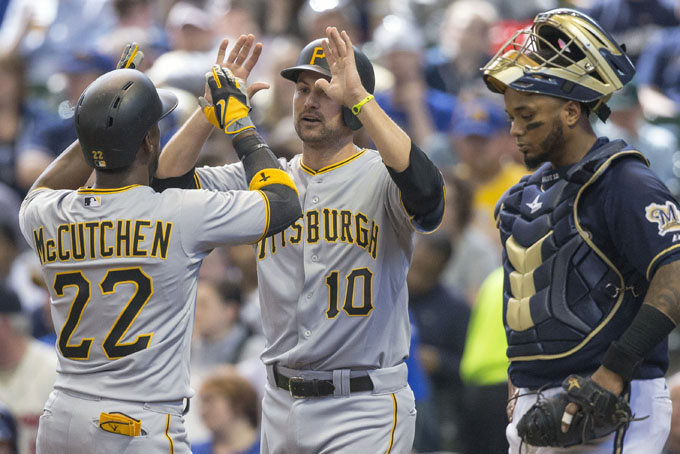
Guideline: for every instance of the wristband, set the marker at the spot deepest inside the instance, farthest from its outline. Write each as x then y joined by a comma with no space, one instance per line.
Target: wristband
649,327
621,362
249,144
356,110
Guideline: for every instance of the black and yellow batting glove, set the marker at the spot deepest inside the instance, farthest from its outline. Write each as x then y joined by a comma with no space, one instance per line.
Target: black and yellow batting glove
230,107
131,57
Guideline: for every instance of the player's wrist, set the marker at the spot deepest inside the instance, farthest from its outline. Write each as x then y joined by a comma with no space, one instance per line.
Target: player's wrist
621,361
356,97
649,327
239,126
609,380
242,135
357,108
248,142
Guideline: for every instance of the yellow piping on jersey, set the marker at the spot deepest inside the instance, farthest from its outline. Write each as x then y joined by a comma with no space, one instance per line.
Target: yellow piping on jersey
311,171
268,215
106,190
167,435
657,257
394,424
197,180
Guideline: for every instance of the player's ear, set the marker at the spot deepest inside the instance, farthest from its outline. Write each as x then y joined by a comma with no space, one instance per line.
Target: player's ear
571,113
150,144
152,138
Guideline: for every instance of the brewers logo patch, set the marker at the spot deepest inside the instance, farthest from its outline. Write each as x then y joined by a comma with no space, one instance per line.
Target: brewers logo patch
666,216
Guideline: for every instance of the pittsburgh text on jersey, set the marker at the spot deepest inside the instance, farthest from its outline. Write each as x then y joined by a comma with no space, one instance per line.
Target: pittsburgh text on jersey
329,225
103,239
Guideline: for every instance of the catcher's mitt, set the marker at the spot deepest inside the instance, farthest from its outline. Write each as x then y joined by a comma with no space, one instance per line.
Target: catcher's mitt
601,413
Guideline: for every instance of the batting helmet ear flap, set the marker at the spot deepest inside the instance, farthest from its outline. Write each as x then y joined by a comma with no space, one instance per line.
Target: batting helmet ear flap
350,119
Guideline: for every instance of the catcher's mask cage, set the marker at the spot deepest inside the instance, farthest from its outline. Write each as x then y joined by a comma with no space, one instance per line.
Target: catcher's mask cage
565,54
114,114
313,58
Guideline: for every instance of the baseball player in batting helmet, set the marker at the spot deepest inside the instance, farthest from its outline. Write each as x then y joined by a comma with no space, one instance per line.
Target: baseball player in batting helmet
122,260
335,281
110,133
590,250
313,58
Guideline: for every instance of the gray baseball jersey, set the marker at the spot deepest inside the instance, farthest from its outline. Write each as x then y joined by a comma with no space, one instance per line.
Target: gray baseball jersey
333,285
122,266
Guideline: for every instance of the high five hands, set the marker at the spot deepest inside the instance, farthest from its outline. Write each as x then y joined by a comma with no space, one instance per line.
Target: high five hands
240,62
345,85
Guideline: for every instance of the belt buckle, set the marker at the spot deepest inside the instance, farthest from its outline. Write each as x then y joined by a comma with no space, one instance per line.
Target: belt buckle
292,382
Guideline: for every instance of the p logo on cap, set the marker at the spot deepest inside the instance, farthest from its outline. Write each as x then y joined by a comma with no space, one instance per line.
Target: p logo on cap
318,53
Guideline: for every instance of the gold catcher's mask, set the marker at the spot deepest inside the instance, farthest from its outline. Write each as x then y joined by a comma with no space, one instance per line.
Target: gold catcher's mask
565,54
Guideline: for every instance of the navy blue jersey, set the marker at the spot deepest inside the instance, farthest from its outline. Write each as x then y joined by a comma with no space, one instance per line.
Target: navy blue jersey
635,222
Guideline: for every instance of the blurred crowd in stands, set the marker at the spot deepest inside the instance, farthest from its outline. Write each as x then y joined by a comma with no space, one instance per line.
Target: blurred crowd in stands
427,55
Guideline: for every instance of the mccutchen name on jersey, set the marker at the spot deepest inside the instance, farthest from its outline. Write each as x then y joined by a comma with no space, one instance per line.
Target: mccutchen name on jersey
104,239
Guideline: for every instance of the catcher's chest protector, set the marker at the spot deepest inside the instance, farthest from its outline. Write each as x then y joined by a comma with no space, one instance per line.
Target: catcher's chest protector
559,289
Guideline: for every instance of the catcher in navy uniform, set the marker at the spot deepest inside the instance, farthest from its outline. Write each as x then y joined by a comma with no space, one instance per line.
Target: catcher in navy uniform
591,242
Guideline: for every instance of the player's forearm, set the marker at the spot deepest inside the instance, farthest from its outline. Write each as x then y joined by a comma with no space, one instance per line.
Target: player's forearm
264,173
393,144
68,171
181,152
654,321
664,291
254,153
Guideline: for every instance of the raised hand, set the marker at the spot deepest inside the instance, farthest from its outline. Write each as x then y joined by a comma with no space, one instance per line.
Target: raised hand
131,57
345,85
230,107
240,61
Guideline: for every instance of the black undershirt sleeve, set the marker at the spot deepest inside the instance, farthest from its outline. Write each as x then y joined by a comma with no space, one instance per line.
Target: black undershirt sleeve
422,189
284,207
186,181
255,155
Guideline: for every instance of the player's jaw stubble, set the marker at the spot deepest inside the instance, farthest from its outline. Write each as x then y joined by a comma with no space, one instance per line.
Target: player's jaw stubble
318,135
548,149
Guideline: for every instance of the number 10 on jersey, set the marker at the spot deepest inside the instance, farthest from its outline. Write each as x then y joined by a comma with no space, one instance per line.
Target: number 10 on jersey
358,277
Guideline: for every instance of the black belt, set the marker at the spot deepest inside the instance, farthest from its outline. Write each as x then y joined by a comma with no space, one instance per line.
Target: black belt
299,387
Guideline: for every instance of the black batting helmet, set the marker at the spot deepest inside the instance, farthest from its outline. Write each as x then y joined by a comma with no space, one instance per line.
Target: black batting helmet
114,114
313,58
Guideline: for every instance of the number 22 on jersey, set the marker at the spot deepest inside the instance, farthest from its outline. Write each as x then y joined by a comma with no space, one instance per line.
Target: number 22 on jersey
112,345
